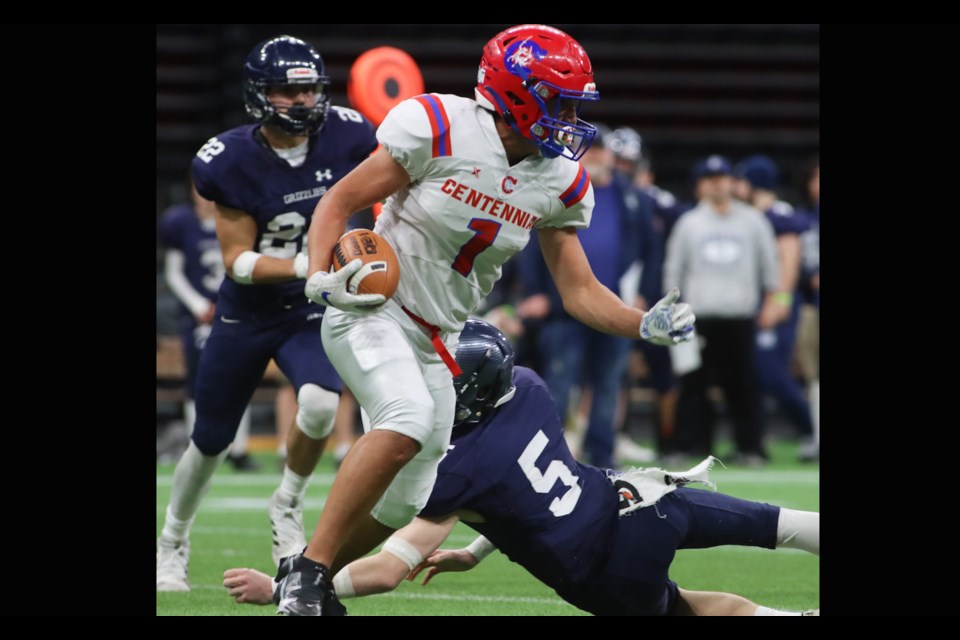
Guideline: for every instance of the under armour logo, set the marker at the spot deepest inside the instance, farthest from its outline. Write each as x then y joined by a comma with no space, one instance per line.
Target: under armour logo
326,174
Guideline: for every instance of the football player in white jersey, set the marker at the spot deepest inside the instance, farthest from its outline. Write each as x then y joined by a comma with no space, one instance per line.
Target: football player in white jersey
466,181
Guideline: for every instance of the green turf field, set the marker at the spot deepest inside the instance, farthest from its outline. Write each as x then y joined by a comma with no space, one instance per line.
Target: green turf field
232,530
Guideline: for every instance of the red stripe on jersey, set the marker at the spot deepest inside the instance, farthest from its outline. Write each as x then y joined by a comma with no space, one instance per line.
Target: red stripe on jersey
439,124
577,189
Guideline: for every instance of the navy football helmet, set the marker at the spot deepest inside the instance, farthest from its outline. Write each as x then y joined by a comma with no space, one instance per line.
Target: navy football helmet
285,61
485,357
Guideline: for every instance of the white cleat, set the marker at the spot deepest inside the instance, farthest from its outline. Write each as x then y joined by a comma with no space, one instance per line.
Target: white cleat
629,451
286,521
172,566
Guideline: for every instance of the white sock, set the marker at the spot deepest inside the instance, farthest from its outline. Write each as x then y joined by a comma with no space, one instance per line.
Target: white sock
189,415
293,486
239,446
191,481
799,530
815,408
282,450
767,611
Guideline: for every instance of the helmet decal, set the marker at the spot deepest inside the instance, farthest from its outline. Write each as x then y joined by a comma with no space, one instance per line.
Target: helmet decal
520,54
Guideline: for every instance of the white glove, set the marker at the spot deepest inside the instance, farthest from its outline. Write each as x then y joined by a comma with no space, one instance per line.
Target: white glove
330,289
668,323
300,265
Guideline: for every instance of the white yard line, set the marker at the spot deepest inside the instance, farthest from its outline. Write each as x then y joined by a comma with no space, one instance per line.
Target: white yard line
433,596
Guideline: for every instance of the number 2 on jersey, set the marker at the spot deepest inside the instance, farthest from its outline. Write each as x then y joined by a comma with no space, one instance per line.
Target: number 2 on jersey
485,233
543,482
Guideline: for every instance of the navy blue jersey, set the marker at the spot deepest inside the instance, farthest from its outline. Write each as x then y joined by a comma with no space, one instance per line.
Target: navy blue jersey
542,508
182,230
237,169
786,220
811,255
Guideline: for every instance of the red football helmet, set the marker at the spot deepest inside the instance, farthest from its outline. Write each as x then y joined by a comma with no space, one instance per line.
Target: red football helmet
528,73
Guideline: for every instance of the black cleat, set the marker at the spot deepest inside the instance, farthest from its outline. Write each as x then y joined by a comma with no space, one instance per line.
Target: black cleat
243,462
304,589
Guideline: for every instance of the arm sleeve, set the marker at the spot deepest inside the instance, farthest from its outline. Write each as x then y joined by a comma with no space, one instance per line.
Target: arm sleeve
173,268
407,136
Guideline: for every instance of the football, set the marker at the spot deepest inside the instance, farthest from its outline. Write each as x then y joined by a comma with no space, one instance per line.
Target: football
380,272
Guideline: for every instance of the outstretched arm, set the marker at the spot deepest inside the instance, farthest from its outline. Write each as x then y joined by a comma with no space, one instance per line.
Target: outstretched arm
587,300
378,573
400,554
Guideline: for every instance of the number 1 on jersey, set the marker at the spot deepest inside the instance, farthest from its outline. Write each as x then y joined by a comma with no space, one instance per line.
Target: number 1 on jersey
486,232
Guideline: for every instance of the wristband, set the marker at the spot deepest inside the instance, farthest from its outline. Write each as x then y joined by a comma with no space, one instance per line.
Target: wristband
784,298
480,548
243,267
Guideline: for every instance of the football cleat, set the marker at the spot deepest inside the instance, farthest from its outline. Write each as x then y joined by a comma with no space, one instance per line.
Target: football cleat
303,589
286,521
172,566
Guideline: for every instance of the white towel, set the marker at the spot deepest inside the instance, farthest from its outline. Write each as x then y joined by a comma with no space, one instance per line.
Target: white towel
642,487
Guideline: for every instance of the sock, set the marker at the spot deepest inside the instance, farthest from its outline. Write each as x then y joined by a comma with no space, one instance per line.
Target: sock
799,530
767,611
293,486
282,450
189,415
239,446
191,481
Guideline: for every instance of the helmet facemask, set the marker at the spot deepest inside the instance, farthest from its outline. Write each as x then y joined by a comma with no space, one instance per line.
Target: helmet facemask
296,120
555,136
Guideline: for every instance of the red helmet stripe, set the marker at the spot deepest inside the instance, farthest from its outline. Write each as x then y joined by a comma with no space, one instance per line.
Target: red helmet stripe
577,189
439,124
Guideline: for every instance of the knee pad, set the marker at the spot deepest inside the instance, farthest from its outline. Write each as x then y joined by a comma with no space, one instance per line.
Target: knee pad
316,409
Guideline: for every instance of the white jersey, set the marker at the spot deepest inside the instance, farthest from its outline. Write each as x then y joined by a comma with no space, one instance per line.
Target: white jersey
466,210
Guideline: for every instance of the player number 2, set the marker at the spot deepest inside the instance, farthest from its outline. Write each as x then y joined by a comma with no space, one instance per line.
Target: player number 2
283,236
486,232
348,115
556,470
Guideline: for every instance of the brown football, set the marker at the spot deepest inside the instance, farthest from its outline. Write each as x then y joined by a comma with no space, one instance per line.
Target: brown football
380,272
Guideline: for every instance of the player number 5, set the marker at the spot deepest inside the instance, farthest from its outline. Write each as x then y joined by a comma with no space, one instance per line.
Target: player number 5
556,470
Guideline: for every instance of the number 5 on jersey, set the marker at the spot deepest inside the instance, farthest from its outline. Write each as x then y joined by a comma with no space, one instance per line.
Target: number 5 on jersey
543,482
486,232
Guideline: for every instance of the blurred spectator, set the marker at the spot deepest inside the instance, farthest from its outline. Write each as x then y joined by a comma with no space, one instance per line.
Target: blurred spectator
571,351
759,178
633,164
721,255
193,268
809,333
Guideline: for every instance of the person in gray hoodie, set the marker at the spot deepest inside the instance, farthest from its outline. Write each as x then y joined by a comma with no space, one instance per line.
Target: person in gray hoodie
723,256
